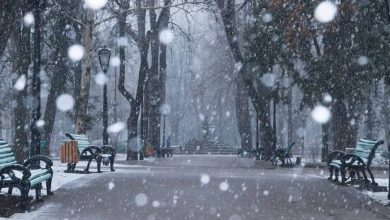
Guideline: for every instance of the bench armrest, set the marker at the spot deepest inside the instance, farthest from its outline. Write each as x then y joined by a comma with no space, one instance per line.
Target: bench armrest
93,150
36,159
350,159
9,171
335,155
108,149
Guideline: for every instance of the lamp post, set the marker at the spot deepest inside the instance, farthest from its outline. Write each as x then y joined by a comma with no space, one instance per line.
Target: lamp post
257,138
388,172
165,110
36,81
104,60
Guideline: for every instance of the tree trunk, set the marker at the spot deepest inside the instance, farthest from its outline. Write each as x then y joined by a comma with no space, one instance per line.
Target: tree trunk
290,115
228,16
21,61
386,112
135,104
57,87
81,120
370,120
340,125
7,14
243,117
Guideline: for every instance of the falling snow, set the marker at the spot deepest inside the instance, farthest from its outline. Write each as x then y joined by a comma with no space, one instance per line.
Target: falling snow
325,12
65,102
76,52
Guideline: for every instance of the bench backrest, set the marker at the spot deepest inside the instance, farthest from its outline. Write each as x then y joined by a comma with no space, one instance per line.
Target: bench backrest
289,148
82,140
366,148
7,156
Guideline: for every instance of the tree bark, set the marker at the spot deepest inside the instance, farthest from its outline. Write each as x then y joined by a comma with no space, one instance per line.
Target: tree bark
340,125
228,15
8,10
21,61
57,81
81,120
243,117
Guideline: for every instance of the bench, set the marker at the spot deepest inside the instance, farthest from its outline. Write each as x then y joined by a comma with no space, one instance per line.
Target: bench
253,152
88,152
166,151
356,163
283,155
28,176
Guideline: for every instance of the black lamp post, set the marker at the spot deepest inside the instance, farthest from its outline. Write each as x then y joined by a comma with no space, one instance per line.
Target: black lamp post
165,110
388,191
104,60
257,138
36,80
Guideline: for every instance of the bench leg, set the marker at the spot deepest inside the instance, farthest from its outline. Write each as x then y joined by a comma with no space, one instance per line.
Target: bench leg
10,190
112,163
48,186
24,194
336,175
372,177
89,163
99,163
343,174
38,192
330,173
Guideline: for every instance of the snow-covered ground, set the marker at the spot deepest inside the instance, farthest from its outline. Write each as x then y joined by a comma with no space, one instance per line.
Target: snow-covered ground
380,197
61,178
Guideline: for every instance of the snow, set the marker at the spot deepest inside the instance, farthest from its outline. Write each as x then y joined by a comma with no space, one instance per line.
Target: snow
122,42
268,79
111,185
95,4
205,179
267,17
224,186
327,98
321,114
363,60
116,127
115,61
325,12
101,79
76,52
156,204
28,19
165,109
166,36
141,199
380,197
65,102
20,83
40,123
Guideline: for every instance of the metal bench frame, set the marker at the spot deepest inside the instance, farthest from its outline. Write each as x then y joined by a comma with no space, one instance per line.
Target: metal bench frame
353,164
93,152
283,155
23,183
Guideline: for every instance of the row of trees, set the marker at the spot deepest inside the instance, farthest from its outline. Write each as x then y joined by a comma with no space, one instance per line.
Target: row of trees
345,59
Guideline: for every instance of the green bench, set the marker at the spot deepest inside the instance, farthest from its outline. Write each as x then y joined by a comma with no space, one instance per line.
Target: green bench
104,154
283,155
28,176
355,163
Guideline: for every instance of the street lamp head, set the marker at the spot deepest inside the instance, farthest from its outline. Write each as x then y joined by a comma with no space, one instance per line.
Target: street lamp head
104,58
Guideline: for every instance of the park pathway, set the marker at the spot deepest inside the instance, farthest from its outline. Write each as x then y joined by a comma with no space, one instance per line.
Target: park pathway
208,187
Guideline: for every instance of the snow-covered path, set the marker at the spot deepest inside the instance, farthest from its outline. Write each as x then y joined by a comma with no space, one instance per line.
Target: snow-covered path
207,187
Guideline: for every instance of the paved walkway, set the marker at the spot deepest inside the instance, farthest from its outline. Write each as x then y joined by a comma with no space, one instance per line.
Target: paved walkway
208,187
